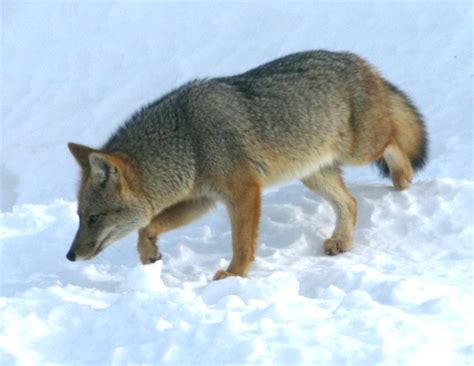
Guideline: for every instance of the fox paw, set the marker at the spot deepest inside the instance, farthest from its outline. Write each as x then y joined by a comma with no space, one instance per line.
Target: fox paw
336,246
220,275
150,260
401,181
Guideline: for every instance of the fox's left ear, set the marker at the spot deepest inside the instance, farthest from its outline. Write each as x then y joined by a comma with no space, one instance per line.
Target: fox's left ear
81,153
104,168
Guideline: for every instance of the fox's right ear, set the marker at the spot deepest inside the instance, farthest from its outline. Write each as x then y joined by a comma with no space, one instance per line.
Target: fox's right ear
81,153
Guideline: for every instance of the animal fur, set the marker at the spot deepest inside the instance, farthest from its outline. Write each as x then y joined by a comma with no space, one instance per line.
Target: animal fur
301,116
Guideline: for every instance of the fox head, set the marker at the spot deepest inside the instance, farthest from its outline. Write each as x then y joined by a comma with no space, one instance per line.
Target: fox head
111,202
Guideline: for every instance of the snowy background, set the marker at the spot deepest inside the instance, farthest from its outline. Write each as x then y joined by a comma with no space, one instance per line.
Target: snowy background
403,295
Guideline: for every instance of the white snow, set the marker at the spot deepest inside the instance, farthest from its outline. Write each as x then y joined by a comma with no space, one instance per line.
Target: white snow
402,296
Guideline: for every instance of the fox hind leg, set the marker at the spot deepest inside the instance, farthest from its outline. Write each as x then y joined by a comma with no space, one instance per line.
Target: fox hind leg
328,183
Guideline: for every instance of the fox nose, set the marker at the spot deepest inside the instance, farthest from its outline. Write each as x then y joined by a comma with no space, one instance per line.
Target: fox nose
71,256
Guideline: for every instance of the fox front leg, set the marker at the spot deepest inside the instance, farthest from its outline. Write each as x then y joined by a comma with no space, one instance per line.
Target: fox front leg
244,210
173,217
148,246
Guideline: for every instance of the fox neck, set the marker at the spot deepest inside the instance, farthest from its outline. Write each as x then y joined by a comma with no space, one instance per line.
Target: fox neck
164,184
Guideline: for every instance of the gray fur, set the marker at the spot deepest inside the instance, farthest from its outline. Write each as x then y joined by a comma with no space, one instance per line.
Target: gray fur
297,117
292,105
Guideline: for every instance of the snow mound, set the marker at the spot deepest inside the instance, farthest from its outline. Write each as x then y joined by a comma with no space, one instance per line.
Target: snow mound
403,295
144,278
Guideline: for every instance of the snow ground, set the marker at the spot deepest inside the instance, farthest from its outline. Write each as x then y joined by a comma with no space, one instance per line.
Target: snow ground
402,296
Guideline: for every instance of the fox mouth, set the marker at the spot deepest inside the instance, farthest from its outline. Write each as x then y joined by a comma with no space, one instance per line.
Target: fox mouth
99,248
102,244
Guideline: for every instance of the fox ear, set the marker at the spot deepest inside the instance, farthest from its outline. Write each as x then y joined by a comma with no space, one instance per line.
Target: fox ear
103,168
81,153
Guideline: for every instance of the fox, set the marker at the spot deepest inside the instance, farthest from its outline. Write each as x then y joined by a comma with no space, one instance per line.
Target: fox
302,116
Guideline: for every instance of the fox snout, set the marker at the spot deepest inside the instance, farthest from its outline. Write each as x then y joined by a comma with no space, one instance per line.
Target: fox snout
75,254
85,245
81,251
84,250
71,255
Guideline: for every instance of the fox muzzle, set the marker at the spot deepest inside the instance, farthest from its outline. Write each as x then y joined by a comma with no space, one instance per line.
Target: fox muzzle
71,256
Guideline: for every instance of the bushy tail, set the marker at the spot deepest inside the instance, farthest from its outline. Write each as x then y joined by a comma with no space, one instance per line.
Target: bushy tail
409,151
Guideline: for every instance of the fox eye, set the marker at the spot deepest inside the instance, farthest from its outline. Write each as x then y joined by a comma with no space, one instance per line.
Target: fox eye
93,219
